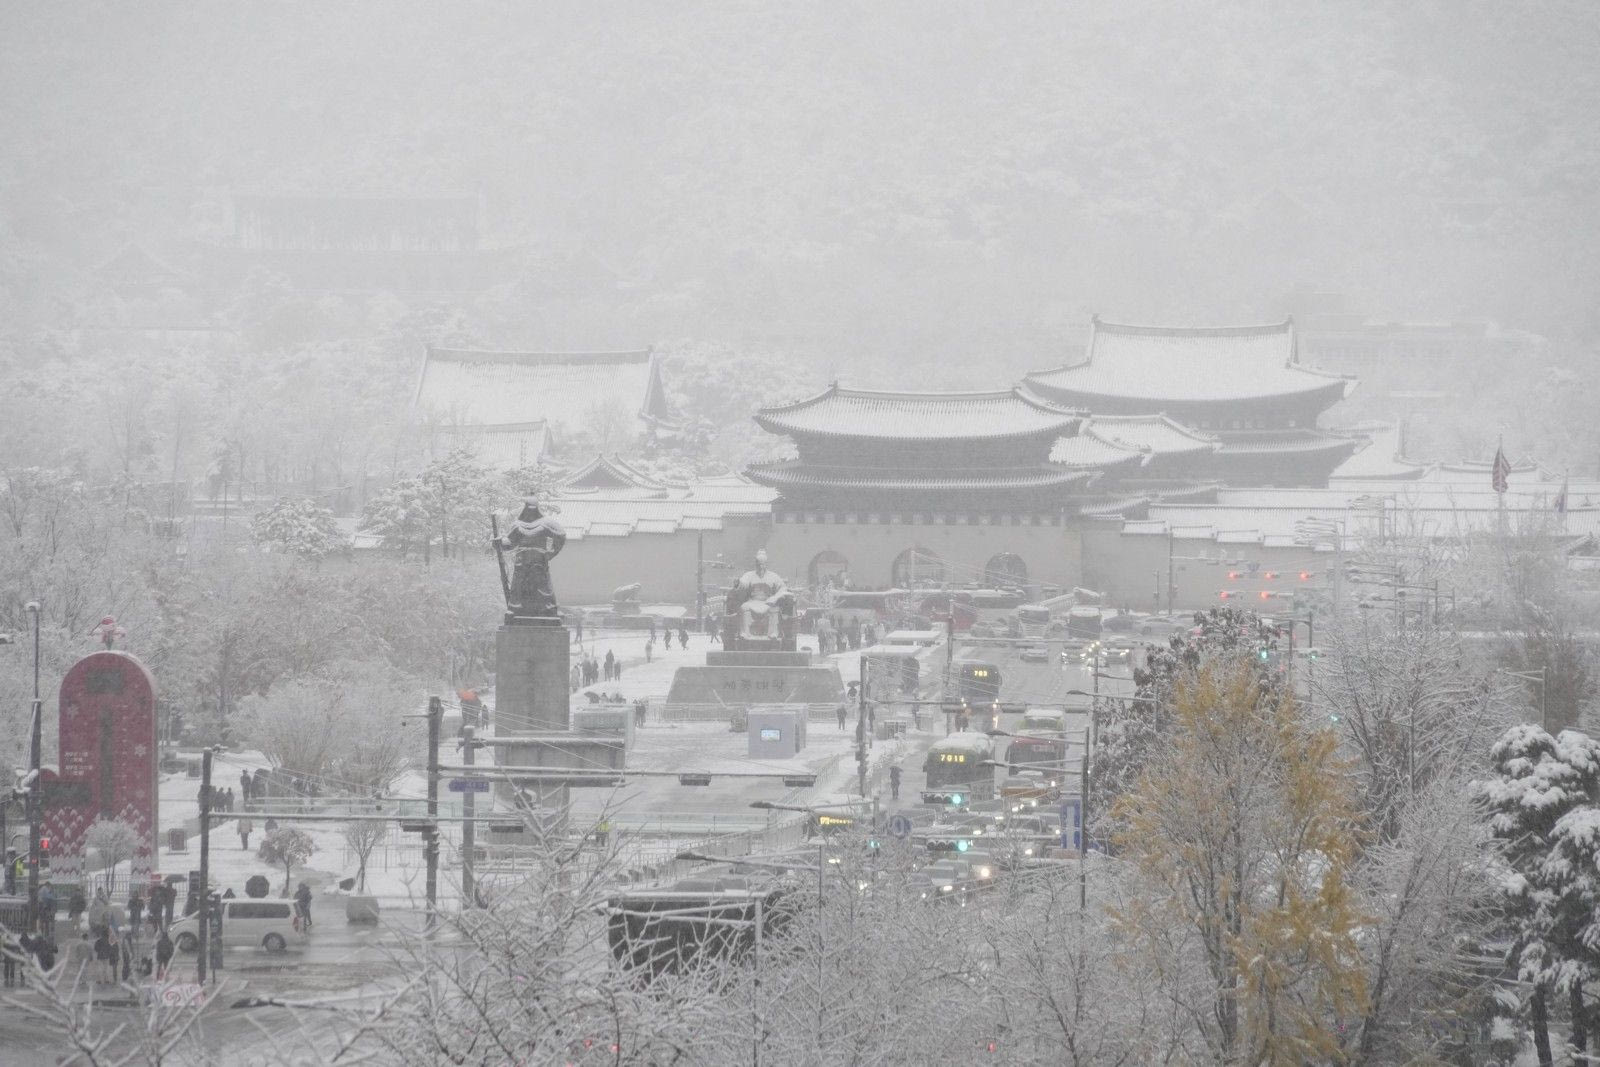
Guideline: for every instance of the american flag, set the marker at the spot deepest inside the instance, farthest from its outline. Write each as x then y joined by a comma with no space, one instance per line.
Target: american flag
1501,474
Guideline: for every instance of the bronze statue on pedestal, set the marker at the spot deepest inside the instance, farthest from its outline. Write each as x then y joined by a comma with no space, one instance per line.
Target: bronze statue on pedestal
534,539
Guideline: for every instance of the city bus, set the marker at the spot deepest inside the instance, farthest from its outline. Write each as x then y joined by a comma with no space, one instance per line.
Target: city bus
1046,752
960,770
976,682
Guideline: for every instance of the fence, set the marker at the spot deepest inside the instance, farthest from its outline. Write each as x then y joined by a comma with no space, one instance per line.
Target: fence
662,711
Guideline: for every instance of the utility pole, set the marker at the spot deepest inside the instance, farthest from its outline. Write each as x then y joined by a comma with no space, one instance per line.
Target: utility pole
35,786
430,836
861,729
205,867
699,580
1083,825
469,749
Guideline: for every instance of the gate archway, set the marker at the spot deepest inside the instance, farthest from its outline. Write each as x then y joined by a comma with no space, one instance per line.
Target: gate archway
1005,571
826,565
916,568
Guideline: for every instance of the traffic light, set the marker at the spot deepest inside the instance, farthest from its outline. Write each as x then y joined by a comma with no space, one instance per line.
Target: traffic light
1234,576
1264,653
1305,576
1224,595
953,800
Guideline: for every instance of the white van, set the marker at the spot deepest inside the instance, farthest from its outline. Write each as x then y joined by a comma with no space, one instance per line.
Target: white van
267,923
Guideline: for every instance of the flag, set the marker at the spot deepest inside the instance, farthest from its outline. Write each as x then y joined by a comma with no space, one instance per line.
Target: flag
1502,471
1561,498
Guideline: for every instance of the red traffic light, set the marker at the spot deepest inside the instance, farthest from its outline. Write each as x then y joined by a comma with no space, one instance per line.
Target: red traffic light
1224,595
1233,576
44,844
1305,576
1265,595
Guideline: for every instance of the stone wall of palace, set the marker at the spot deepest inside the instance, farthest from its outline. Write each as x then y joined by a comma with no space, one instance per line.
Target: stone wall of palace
1041,550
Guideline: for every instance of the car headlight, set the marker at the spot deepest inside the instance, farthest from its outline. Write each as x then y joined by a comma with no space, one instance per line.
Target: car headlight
946,888
1027,852
983,872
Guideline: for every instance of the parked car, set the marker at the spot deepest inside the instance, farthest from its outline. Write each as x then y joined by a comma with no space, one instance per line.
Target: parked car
1035,655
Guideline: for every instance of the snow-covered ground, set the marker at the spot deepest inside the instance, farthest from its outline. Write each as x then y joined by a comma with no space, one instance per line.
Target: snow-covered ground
675,816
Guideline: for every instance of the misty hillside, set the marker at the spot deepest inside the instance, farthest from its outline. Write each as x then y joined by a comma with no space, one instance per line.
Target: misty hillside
911,175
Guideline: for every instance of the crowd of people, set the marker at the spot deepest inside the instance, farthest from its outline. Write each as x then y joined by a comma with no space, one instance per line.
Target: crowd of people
840,633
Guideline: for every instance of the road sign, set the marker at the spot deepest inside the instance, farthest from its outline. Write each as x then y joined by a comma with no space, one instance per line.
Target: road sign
1071,822
900,826
411,826
469,785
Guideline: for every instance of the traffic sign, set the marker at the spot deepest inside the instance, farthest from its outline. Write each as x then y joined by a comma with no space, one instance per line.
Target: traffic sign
469,785
1071,823
900,826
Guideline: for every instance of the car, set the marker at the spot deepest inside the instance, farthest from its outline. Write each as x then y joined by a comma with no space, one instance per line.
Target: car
1121,623
983,866
1035,655
267,924
952,879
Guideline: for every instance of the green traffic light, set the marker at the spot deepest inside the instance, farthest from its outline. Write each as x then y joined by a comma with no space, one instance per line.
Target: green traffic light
955,798
963,844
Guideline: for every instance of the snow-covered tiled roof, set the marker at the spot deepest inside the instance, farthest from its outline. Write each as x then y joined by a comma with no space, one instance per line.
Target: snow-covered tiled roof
1156,434
506,447
566,389
1087,451
1380,458
790,474
621,512
611,472
1162,365
842,412
1253,442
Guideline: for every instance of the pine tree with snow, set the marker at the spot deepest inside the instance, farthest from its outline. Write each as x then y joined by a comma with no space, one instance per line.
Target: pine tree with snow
1540,799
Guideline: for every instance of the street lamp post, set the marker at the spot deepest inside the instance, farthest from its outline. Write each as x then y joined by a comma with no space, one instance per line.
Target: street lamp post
34,785
1083,809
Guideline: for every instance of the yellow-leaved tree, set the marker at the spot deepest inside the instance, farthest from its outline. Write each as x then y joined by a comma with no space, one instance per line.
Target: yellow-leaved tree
1244,827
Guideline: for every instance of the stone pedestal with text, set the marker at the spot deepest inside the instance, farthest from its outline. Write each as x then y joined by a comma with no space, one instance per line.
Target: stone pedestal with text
531,691
742,678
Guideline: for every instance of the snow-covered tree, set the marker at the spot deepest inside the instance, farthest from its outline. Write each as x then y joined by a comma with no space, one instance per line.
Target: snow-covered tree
112,842
1244,827
402,514
299,527
288,848
1536,782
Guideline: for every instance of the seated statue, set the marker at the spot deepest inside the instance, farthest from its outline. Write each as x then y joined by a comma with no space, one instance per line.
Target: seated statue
759,611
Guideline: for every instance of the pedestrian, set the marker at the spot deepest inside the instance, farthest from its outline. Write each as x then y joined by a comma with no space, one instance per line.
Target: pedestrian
244,785
580,629
894,782
575,677
715,628
302,904
258,786
163,955
169,897
245,828
105,954
135,909
76,906
611,665
97,911
44,948
616,670
650,649
47,909
683,634
652,627
666,637
841,713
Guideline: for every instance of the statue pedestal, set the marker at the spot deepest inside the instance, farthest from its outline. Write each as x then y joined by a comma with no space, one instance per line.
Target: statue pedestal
765,677
531,682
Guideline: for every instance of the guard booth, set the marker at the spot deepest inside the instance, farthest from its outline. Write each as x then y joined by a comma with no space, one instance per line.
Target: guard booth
776,731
